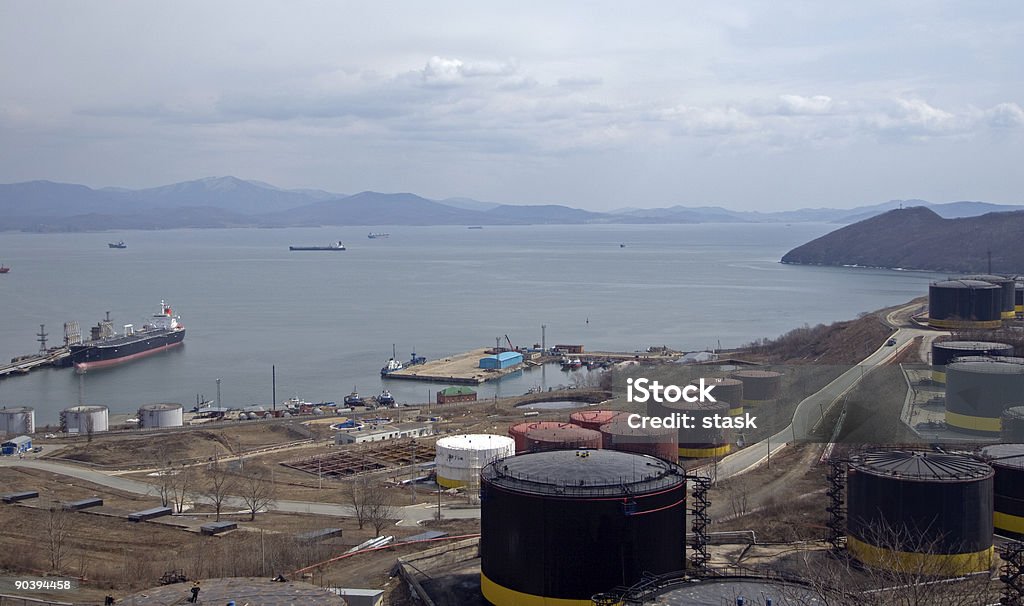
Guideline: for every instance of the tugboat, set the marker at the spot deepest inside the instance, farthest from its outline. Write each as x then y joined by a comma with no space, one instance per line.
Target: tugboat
4,269
393,364
119,244
374,236
385,398
354,399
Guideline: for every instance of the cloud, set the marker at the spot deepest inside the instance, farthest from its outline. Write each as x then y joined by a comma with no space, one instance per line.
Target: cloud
1005,115
796,105
440,71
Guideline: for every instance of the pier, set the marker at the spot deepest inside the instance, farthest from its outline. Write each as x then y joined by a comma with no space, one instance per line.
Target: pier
24,364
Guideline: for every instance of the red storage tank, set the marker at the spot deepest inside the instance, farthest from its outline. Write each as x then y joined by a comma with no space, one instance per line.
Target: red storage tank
562,438
593,419
518,431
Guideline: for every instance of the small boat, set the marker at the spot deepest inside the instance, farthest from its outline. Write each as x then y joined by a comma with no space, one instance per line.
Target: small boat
374,236
475,227
4,269
119,244
393,364
354,399
385,398
568,364
334,246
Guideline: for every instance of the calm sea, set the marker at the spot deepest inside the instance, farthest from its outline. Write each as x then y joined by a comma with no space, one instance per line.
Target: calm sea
328,320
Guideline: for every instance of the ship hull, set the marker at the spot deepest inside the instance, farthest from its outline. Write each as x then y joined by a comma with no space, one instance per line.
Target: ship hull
120,351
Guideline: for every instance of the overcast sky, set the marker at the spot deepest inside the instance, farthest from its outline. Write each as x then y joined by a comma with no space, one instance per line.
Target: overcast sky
599,105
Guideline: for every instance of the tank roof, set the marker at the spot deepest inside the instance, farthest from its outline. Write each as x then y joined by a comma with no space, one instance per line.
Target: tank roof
989,365
987,278
561,434
1014,412
621,427
964,284
920,465
161,406
756,374
721,380
593,416
583,473
85,408
707,407
475,441
970,345
1004,455
16,410
715,592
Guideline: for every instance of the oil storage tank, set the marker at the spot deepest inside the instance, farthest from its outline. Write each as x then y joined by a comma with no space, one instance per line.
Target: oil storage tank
160,415
1008,462
559,527
460,458
1008,292
1018,295
944,352
84,419
698,441
921,512
1013,425
726,389
979,389
965,304
662,442
593,419
568,436
19,420
759,385
519,430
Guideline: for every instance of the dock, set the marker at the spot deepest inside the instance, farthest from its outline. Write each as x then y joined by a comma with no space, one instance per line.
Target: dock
458,369
26,363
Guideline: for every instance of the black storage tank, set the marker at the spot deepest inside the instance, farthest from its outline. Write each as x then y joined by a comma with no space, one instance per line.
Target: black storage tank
697,441
1008,462
944,352
965,304
559,527
726,390
1008,296
920,512
979,389
759,385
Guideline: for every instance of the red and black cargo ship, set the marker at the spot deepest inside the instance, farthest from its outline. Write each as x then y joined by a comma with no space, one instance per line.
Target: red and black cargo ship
107,348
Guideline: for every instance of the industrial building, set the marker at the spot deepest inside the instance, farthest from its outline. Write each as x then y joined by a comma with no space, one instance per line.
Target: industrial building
84,419
1007,460
160,415
451,395
944,352
387,431
17,420
965,304
501,361
922,512
460,458
1008,292
16,446
979,389
559,527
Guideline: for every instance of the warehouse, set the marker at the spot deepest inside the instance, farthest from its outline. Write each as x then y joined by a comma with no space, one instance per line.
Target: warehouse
501,361
18,445
451,395
380,433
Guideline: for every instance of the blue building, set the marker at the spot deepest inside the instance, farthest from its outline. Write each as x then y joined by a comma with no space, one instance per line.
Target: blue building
505,359
16,445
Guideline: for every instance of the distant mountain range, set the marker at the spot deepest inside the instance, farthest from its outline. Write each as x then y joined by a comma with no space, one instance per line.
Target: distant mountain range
233,202
918,238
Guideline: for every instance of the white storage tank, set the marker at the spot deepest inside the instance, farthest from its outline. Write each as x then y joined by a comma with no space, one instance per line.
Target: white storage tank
20,420
460,458
84,419
160,415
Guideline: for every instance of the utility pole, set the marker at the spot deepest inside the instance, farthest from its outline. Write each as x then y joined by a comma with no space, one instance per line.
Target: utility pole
273,382
543,339
218,393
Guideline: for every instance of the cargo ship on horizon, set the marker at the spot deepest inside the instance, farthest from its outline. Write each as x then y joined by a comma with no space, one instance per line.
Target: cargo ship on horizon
107,348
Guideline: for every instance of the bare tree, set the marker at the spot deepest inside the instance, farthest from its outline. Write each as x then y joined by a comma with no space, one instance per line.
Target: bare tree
217,486
354,493
90,427
379,506
257,492
58,529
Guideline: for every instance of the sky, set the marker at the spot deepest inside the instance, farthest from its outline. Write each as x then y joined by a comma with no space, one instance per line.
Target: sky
597,105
